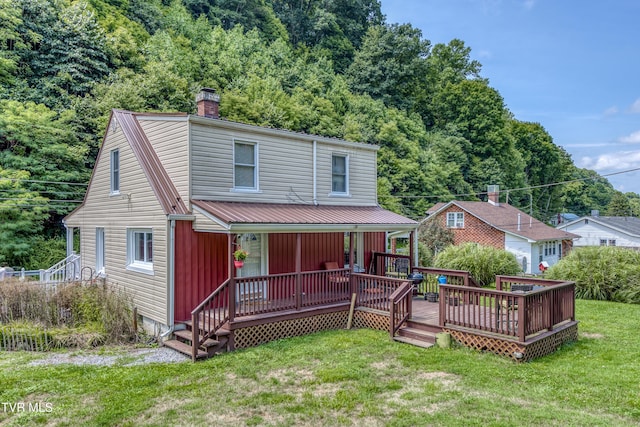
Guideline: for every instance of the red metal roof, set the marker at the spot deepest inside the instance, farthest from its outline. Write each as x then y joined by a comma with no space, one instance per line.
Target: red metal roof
162,185
290,216
509,219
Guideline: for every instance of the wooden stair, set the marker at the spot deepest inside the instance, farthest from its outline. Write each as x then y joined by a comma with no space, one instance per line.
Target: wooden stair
418,334
182,342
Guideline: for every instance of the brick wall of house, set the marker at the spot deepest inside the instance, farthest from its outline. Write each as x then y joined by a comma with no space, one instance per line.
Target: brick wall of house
475,230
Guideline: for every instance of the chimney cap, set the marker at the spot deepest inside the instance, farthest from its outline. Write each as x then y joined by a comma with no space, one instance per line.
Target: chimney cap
207,94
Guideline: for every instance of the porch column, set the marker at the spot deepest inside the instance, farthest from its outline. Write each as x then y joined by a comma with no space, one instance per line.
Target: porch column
298,271
352,280
232,276
412,250
69,240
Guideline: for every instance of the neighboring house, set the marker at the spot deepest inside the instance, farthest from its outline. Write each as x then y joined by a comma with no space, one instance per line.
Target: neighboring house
173,195
505,227
562,218
623,231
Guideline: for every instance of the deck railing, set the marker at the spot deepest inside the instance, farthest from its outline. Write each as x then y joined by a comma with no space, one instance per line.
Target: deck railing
375,291
291,291
400,302
208,317
452,277
385,264
514,314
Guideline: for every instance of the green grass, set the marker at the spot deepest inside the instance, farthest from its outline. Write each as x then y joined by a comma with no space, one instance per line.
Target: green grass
347,378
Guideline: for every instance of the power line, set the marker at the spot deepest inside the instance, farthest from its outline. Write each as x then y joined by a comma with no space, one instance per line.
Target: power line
43,182
32,198
478,193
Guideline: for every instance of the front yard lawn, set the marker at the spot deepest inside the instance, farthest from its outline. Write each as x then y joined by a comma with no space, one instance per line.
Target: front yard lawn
357,377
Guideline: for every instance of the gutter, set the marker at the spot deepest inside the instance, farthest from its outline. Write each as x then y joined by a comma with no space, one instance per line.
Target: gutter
171,269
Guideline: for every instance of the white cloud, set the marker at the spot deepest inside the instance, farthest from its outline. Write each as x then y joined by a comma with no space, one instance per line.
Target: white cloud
635,107
611,111
633,138
621,160
485,54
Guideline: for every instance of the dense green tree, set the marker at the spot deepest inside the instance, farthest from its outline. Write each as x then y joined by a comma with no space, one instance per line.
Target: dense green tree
619,205
40,160
391,65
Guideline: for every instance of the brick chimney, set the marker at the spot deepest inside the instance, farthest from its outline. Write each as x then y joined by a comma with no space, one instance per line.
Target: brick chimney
208,102
493,191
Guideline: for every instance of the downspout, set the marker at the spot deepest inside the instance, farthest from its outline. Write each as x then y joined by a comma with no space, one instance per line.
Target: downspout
315,173
171,269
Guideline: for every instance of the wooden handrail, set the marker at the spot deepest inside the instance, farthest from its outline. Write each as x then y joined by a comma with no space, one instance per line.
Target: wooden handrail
218,314
514,314
400,307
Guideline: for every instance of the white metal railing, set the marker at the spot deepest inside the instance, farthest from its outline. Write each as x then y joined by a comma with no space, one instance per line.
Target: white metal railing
66,270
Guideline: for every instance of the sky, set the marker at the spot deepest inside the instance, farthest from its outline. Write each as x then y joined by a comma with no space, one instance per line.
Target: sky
571,65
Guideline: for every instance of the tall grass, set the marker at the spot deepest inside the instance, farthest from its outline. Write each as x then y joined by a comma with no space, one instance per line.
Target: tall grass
483,262
601,273
76,308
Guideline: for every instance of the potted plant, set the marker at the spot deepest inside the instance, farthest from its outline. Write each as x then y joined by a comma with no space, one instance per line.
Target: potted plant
239,256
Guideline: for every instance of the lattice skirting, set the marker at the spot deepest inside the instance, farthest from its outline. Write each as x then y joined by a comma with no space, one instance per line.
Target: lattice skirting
260,334
513,350
370,320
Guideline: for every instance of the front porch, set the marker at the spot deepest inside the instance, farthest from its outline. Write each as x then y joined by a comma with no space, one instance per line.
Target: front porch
509,321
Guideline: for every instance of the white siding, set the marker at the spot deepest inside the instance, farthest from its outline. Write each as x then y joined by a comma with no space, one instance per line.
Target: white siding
591,234
136,206
285,167
170,140
521,248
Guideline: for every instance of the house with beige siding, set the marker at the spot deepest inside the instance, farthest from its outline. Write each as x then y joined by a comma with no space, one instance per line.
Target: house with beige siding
173,196
535,245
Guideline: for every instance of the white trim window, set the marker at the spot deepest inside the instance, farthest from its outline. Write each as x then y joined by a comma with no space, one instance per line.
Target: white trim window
100,250
115,171
339,174
245,166
455,219
140,250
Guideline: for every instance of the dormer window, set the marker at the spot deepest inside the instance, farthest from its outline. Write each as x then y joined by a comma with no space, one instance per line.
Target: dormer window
339,174
455,219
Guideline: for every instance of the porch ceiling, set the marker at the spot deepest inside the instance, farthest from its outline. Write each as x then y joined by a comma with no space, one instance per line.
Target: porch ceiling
240,217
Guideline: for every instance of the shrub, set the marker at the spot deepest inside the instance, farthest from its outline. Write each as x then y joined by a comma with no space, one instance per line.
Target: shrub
71,313
483,262
601,273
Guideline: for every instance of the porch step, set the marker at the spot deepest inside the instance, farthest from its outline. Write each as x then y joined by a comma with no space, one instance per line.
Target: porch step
418,337
417,343
185,348
184,335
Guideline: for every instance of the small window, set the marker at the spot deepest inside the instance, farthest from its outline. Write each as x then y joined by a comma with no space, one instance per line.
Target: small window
339,174
603,242
612,242
245,166
455,219
115,171
100,250
140,250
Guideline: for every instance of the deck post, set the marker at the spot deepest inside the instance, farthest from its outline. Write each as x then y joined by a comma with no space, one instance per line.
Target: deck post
232,277
298,272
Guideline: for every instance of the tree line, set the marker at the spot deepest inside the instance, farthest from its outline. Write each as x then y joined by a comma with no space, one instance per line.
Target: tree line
334,68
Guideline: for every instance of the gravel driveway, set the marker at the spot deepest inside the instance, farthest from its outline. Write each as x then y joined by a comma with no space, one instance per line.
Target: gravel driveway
119,356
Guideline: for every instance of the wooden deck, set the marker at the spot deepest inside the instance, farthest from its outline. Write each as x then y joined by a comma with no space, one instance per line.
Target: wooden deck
518,324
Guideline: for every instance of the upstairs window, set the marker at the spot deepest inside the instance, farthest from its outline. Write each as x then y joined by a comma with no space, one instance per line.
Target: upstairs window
339,174
115,171
455,219
245,166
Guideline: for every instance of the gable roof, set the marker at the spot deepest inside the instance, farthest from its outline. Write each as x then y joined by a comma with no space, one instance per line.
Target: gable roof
163,188
624,224
508,219
239,216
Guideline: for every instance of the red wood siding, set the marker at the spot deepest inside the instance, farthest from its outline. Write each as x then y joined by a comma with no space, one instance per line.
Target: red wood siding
373,242
474,230
200,267
316,249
